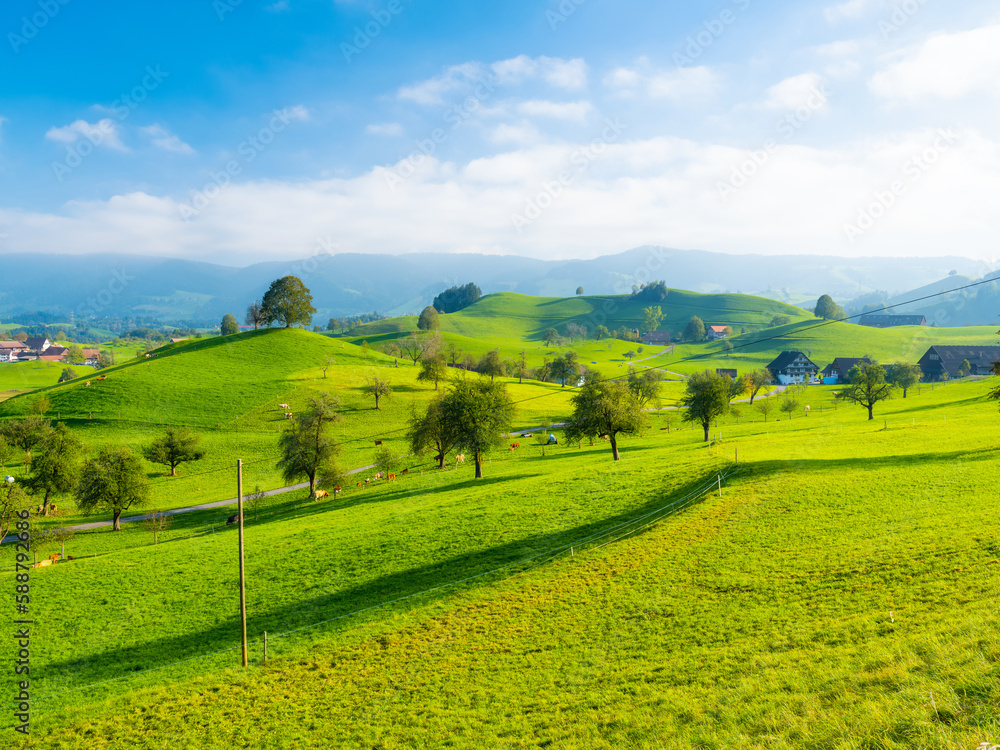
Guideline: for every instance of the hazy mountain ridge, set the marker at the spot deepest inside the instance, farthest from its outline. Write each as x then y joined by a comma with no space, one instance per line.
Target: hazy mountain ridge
351,283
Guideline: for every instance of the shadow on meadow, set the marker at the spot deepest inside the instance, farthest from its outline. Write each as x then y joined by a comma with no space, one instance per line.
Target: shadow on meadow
424,584
867,463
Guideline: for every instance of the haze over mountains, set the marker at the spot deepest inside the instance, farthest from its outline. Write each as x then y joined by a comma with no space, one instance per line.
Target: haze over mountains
352,283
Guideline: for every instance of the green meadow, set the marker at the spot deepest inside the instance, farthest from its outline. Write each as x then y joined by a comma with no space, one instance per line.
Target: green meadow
816,580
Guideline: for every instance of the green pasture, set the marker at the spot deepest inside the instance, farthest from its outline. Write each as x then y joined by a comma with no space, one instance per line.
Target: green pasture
847,574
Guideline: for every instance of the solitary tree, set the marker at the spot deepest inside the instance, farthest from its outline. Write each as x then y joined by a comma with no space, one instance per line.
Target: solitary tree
288,301
255,315
480,412
433,368
375,386
765,406
706,397
176,446
432,430
56,466
827,309
229,325
307,449
491,364
412,347
551,336
26,433
114,481
866,386
386,461
903,375
13,500
67,374
579,291
789,404
542,436
694,330
428,320
156,523
565,367
601,332
757,380
645,386
780,320
604,407
651,318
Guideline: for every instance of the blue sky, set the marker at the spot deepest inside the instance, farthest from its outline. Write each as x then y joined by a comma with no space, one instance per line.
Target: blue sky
237,132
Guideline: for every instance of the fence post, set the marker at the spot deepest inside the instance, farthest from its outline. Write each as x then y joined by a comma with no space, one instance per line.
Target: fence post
265,645
719,476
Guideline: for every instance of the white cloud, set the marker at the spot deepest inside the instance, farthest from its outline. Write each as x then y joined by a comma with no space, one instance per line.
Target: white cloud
574,111
660,190
433,90
393,129
162,138
564,74
298,112
795,92
675,83
519,134
104,132
850,10
945,66
556,72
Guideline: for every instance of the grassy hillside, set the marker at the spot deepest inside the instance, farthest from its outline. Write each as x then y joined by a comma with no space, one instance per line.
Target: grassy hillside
843,578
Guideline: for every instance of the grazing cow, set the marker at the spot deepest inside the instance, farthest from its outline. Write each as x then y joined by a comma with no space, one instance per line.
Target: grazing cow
232,519
52,506
439,457
284,406
378,442
390,478
337,490
369,479
664,428
322,493
460,458
527,435
807,411
360,485
88,383
405,471
288,415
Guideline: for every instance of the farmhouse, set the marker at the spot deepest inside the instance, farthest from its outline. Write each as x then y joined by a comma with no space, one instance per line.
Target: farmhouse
726,373
10,351
793,367
891,321
90,356
943,362
656,337
715,333
837,370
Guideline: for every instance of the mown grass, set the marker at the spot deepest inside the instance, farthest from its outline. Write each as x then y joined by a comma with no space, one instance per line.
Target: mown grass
840,593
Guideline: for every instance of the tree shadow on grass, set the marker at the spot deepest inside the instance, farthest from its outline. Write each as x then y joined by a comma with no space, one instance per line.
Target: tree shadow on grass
423,584
869,463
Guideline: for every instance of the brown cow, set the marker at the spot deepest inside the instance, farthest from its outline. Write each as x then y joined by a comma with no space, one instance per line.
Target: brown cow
232,519
378,442
405,471
322,493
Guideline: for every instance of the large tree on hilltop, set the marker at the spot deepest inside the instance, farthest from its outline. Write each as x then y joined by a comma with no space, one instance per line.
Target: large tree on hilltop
287,300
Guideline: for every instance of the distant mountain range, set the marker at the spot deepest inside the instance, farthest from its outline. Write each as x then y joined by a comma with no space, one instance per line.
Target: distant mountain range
173,290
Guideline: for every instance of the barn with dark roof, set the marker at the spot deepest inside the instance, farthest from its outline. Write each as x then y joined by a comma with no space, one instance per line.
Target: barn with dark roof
941,361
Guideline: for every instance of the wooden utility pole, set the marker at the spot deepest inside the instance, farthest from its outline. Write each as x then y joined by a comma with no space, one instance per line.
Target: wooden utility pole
243,588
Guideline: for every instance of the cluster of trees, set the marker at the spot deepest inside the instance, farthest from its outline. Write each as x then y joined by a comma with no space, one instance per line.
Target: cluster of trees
456,298
351,321
113,480
655,291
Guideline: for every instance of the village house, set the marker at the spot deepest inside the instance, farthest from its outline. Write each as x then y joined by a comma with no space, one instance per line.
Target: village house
793,367
726,372
653,338
944,362
714,333
90,356
11,351
836,371
891,321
